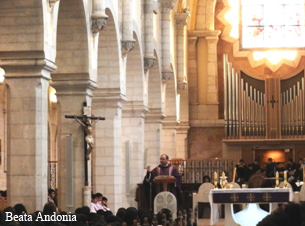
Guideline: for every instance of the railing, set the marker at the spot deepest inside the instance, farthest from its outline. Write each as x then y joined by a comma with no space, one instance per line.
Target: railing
52,174
192,171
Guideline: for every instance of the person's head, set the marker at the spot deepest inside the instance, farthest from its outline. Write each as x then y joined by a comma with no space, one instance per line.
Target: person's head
206,178
164,159
51,193
20,209
94,198
269,160
99,197
256,161
104,201
290,161
241,162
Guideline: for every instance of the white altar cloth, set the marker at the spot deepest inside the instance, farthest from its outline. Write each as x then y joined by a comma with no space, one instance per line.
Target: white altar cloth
251,192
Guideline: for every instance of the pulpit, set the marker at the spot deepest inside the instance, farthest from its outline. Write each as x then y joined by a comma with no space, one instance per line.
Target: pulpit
164,180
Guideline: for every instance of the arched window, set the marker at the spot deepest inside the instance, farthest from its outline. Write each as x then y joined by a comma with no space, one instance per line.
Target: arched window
272,24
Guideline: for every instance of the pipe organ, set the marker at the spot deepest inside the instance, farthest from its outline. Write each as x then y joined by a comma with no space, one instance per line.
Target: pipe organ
263,109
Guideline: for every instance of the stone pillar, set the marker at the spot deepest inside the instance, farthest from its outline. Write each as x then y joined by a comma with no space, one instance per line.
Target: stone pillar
167,6
169,136
192,70
128,41
107,164
133,139
72,90
149,57
182,129
27,76
212,82
99,17
206,80
153,132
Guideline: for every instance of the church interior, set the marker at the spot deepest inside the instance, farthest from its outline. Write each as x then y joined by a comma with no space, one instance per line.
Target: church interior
207,82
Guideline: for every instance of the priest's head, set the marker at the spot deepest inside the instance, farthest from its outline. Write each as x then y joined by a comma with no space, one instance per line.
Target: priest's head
164,159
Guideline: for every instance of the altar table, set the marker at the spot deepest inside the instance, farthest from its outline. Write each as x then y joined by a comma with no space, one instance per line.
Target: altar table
250,196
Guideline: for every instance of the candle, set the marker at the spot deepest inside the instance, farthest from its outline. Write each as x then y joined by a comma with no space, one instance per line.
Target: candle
234,174
285,178
215,179
276,179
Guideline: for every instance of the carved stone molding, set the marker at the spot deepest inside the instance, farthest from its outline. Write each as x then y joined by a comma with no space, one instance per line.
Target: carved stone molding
167,74
127,46
98,23
182,85
52,3
182,19
149,62
167,5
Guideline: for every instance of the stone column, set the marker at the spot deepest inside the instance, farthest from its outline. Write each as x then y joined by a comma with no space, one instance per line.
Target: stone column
212,83
72,90
133,139
128,41
167,6
27,76
153,136
107,164
99,17
149,57
169,136
182,129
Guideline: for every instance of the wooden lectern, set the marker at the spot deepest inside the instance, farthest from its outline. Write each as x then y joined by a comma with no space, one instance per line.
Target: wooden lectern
164,180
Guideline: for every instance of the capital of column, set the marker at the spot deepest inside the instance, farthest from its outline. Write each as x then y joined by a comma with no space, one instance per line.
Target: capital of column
134,109
127,46
170,122
167,74
154,115
182,19
26,64
52,3
98,22
73,84
212,39
149,62
183,127
182,85
110,98
167,5
192,41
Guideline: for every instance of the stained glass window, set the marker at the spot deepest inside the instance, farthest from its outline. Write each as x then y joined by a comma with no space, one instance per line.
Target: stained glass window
272,23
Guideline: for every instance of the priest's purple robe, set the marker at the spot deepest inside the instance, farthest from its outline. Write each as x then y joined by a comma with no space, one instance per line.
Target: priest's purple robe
152,189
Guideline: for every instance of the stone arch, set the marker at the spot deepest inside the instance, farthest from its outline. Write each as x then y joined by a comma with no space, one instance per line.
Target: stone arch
109,62
72,39
205,19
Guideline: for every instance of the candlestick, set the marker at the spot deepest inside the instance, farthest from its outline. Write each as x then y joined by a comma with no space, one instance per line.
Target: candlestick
285,179
215,179
277,179
234,174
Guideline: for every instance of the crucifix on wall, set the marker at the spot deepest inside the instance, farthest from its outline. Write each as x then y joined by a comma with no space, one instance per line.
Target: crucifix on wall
85,121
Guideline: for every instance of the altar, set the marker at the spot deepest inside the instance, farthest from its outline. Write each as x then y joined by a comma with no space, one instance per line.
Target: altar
252,214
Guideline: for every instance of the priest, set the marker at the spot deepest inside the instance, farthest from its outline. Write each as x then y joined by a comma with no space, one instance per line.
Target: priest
163,169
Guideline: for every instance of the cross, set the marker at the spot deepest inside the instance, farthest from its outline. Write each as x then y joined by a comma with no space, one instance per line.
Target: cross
234,197
250,197
89,142
267,197
272,101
